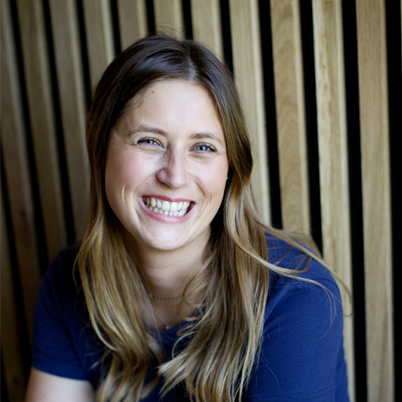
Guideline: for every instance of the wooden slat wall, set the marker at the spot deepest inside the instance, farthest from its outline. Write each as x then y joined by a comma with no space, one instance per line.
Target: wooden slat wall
70,82
289,94
99,34
247,66
41,114
132,21
53,53
206,19
169,17
374,121
332,139
16,376
17,175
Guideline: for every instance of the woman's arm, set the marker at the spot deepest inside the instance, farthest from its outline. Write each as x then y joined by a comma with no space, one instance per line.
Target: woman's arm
43,387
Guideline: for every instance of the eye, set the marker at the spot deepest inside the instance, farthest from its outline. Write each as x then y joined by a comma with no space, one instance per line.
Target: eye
147,141
204,148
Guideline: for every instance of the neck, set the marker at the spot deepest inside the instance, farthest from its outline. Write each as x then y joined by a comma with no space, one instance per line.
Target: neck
167,272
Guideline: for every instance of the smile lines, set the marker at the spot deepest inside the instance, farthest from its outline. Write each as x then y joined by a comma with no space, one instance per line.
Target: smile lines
165,207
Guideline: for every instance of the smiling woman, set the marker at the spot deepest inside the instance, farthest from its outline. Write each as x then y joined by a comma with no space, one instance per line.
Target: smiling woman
167,149
177,290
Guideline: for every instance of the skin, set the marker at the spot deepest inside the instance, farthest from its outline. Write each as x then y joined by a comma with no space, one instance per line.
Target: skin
43,387
169,144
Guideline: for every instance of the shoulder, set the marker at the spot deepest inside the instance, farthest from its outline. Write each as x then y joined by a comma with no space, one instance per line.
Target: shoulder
302,355
61,269
286,256
64,343
310,297
58,290
64,261
59,284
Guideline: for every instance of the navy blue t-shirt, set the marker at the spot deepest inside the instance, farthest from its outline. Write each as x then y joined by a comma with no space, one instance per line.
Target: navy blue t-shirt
302,357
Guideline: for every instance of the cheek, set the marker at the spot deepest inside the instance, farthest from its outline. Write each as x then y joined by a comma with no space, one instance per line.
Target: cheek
123,171
216,183
118,177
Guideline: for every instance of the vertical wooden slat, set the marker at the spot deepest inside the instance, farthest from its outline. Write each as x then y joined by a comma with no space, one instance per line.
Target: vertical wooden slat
12,358
99,33
206,19
247,66
373,90
169,17
37,76
332,139
133,23
16,170
72,101
13,364
289,95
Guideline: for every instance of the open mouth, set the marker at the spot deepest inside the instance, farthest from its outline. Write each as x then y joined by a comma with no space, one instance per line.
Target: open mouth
164,207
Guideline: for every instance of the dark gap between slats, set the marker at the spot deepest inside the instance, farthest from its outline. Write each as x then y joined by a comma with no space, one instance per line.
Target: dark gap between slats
226,34
306,17
356,198
270,114
65,187
115,27
150,16
187,20
4,395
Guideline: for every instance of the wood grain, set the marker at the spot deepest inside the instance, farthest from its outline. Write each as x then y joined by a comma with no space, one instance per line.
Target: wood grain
38,121
169,17
99,34
247,67
372,57
41,114
15,377
290,111
70,81
20,202
133,23
206,19
332,139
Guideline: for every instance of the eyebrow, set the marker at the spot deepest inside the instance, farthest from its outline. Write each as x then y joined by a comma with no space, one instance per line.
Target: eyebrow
155,130
147,129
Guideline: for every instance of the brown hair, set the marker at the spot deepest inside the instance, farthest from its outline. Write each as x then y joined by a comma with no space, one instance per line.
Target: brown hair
225,338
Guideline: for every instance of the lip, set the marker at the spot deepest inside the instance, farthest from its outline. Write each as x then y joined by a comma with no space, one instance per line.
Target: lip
167,218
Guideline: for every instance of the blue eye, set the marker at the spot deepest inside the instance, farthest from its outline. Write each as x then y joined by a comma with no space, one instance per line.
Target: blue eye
147,141
205,148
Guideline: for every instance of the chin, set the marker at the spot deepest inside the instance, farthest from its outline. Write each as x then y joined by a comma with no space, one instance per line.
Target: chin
164,247
160,243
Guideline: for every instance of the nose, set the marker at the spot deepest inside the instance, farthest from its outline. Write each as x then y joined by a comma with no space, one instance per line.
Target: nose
174,172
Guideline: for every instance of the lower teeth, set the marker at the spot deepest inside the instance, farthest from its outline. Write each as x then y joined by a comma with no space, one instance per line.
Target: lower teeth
170,213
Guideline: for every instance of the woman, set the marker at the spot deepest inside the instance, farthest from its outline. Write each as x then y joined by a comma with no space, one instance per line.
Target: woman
178,289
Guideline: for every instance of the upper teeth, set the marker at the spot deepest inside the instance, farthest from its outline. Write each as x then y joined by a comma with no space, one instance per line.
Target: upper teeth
166,207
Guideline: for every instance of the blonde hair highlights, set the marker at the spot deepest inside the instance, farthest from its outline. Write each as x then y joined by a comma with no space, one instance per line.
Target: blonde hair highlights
224,338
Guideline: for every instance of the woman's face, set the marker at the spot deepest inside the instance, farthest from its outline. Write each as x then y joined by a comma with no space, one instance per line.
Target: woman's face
167,166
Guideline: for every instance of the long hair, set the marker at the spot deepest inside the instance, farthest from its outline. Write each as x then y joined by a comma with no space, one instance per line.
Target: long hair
223,340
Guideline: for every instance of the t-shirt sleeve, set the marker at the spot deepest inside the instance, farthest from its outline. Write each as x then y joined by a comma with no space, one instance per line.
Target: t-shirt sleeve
302,353
52,347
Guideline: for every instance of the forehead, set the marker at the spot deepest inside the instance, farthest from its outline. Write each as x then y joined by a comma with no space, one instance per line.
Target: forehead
171,87
173,100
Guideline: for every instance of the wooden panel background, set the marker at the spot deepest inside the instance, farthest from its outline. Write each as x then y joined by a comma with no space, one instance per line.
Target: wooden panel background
321,86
